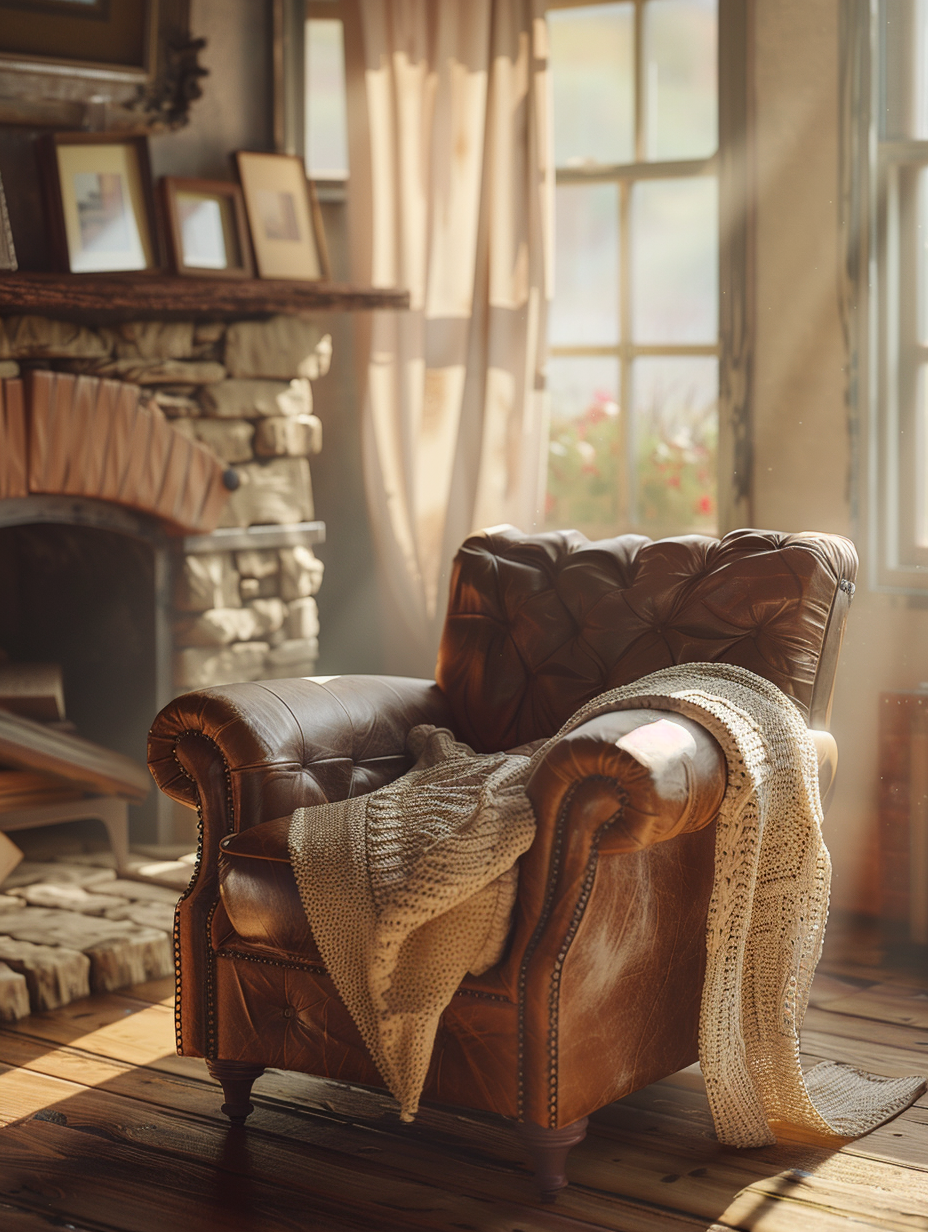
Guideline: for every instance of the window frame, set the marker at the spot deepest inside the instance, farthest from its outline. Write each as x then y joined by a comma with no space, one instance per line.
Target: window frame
732,165
881,293
288,18
327,189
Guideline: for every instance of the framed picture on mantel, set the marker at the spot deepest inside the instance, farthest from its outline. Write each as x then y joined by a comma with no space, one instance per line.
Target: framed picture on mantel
284,217
99,202
206,228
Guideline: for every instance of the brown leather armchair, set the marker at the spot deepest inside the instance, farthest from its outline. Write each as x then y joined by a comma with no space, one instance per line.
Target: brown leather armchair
598,992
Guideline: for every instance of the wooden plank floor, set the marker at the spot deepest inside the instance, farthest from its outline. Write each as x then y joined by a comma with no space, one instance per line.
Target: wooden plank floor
104,1129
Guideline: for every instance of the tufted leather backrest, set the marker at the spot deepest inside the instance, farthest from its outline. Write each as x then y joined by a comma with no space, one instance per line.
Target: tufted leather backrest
539,624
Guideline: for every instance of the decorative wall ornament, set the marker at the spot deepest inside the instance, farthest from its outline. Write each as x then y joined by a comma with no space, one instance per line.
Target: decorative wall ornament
122,64
169,96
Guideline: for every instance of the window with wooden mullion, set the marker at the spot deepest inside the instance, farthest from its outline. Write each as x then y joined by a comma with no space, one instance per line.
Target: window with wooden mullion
900,428
633,373
326,121
903,181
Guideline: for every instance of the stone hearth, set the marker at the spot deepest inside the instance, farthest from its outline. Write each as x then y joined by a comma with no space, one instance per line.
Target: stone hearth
69,926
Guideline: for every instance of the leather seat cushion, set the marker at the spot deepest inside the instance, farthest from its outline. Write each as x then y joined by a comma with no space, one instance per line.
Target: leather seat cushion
259,892
263,906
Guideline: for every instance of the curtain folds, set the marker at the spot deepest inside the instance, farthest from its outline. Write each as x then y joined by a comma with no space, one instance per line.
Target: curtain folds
451,197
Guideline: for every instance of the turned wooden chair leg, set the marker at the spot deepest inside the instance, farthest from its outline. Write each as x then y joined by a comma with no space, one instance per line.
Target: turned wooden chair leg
549,1149
236,1079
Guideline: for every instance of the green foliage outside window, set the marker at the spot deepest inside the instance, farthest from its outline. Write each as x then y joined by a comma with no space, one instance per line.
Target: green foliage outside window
676,471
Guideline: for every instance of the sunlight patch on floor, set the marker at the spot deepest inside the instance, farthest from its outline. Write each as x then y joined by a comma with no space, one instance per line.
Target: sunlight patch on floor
23,1094
152,1043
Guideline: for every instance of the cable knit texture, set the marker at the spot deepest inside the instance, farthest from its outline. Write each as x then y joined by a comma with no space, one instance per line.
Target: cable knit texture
410,887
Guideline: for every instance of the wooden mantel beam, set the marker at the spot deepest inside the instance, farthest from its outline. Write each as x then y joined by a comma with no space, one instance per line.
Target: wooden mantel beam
109,298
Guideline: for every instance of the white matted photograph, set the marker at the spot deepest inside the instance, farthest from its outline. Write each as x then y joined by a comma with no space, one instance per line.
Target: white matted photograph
284,217
206,228
99,202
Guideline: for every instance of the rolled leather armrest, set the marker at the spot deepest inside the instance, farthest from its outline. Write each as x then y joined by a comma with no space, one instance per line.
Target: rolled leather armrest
669,770
619,783
283,744
247,753
672,772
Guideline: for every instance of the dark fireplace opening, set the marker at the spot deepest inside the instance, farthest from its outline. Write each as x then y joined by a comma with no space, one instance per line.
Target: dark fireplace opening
84,598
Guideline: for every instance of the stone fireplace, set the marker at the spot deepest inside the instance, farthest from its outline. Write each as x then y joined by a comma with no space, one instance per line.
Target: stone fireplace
134,606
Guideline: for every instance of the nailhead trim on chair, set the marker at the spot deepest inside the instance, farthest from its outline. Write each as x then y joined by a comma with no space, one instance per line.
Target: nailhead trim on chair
554,994
533,945
211,1024
291,965
294,964
210,972
176,930
484,996
553,998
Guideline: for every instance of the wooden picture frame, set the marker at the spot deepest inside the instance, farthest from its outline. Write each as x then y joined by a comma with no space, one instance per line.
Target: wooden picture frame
206,228
284,217
7,251
99,202
97,64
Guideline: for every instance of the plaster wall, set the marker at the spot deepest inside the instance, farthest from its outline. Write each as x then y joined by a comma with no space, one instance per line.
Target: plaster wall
802,449
801,458
235,112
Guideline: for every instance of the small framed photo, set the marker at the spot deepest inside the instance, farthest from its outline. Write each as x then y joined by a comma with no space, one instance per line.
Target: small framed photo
284,217
206,228
99,202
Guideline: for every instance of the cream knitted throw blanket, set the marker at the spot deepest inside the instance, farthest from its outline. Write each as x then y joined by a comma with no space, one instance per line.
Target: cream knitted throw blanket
410,887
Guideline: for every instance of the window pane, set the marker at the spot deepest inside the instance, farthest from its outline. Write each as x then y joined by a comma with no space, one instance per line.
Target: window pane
921,253
675,415
592,72
680,78
326,120
675,282
586,281
584,463
904,35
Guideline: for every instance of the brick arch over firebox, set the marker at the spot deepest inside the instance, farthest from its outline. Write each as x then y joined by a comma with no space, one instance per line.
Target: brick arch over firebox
90,437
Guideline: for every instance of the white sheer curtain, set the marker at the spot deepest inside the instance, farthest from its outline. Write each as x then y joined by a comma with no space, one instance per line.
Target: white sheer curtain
451,191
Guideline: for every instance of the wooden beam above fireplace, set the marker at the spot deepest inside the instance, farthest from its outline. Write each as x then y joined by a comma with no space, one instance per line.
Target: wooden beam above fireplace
108,298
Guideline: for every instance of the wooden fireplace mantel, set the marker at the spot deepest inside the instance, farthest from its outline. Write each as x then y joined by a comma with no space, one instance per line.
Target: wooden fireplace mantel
99,299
